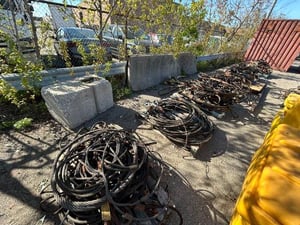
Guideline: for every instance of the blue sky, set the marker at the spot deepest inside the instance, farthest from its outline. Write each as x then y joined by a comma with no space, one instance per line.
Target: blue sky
291,8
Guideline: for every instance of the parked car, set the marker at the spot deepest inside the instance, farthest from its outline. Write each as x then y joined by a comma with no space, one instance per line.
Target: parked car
72,38
160,39
136,39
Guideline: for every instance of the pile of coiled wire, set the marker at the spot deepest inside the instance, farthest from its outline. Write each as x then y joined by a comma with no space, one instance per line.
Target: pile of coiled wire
214,92
181,122
219,90
242,84
107,176
251,70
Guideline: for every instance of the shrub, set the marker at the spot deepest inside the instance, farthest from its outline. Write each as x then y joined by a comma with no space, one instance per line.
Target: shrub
12,61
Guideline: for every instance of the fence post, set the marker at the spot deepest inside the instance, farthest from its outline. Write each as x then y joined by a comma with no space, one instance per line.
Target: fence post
33,29
11,7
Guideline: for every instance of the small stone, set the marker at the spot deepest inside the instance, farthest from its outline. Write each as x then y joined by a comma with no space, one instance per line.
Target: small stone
240,123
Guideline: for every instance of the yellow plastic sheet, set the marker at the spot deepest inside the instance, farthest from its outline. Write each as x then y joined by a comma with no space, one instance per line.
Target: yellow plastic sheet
271,190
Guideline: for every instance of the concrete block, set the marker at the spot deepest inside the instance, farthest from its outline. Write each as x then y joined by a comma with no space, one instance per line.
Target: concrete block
149,70
74,102
187,63
103,94
70,103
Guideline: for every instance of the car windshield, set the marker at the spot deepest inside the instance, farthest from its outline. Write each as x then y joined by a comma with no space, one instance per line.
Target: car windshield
80,33
133,33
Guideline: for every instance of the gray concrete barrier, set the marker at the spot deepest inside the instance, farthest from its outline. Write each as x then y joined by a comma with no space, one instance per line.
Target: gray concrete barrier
149,70
187,63
74,102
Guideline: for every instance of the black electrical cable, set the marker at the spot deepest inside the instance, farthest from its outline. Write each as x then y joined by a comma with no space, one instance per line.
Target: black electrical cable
102,166
180,121
215,92
218,90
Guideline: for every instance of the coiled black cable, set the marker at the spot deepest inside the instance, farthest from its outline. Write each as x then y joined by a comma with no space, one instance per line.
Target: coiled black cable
214,93
106,166
218,90
180,121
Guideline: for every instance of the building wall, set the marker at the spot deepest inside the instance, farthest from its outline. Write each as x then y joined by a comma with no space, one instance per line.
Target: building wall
87,15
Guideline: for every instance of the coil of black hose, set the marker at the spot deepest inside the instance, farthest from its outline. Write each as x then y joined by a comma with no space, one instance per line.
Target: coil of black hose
93,159
180,121
107,166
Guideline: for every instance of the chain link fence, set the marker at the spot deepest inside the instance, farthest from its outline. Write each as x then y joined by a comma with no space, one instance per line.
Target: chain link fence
58,34
16,28
69,35
62,35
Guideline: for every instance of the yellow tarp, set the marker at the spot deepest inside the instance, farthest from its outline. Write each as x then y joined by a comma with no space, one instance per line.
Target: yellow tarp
271,190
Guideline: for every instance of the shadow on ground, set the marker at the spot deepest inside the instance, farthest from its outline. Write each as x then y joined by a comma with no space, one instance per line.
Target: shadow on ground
198,204
118,115
214,148
17,168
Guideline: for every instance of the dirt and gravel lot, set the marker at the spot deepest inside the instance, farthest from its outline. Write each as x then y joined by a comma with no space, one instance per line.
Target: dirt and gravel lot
215,174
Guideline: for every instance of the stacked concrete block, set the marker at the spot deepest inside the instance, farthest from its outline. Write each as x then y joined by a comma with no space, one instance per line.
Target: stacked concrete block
74,102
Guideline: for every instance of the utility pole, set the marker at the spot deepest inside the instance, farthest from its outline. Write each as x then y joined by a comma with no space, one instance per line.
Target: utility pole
271,10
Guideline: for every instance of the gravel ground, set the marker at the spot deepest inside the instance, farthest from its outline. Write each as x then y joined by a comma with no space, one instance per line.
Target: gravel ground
215,174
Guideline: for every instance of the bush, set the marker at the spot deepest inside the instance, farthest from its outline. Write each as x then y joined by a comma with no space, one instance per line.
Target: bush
205,66
119,88
12,61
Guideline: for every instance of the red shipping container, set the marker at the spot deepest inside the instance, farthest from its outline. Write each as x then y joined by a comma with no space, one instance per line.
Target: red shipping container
277,42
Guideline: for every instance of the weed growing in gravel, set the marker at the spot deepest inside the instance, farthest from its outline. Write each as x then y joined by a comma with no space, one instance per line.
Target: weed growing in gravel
23,123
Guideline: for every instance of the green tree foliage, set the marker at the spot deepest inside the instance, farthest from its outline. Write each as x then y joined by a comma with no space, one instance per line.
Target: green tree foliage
12,61
177,21
13,29
172,20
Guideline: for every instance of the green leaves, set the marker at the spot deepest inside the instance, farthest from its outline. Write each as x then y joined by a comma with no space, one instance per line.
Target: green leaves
23,123
18,125
12,61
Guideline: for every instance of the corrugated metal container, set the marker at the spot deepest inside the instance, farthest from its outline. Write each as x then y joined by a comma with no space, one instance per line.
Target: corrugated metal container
277,42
